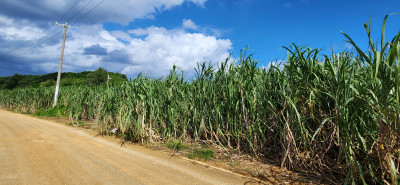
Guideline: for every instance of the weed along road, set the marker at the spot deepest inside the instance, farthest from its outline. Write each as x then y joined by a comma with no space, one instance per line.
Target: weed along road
36,151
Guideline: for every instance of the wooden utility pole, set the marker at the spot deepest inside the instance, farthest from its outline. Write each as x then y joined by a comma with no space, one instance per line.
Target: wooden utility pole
61,61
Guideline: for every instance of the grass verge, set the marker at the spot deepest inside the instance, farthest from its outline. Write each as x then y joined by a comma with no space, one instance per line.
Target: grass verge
201,154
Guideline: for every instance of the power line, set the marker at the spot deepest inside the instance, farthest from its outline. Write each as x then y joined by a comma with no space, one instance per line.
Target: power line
19,70
68,11
53,25
79,11
46,39
88,12
20,50
28,43
15,51
33,45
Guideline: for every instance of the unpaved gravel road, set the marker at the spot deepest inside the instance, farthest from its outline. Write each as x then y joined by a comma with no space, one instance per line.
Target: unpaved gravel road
35,151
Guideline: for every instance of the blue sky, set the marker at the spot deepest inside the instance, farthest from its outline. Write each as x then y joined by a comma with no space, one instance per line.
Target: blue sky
152,35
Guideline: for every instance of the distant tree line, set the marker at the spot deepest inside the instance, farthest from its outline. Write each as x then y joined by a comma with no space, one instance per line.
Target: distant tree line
96,77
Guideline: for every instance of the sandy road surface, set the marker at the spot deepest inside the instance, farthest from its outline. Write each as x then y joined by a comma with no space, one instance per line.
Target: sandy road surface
35,151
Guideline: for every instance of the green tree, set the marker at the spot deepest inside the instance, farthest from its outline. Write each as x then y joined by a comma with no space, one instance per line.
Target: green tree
48,83
97,77
13,82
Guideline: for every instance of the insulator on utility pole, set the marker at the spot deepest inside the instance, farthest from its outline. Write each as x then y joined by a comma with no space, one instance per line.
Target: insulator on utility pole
65,26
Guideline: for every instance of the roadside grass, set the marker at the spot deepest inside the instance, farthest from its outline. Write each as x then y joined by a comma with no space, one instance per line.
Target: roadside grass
176,145
78,123
57,111
192,151
201,154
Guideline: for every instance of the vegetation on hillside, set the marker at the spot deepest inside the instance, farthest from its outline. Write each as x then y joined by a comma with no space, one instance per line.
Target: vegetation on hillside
336,115
87,77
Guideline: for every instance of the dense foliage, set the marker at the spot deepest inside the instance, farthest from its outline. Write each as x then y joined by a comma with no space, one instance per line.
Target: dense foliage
337,115
87,77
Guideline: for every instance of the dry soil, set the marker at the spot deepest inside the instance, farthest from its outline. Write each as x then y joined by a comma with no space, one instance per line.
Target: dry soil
36,151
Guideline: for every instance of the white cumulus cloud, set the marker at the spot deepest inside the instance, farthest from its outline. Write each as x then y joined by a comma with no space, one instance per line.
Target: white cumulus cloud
152,50
187,23
162,48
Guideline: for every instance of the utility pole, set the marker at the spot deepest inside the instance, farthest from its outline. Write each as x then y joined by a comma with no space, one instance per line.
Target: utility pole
108,78
61,61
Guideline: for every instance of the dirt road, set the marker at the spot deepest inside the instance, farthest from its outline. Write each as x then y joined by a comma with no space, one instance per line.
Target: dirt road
35,151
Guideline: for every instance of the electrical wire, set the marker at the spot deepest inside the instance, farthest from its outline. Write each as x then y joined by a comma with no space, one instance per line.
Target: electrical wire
87,12
20,70
39,42
69,10
15,51
19,51
79,11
